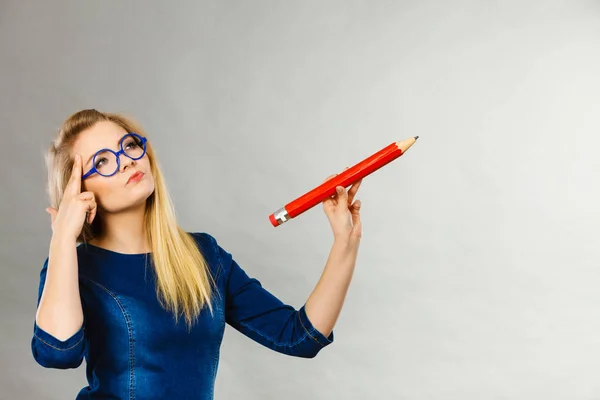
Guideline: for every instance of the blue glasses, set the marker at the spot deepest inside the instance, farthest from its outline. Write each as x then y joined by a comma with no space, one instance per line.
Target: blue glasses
107,162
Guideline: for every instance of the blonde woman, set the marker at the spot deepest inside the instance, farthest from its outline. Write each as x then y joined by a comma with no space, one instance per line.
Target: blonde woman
144,302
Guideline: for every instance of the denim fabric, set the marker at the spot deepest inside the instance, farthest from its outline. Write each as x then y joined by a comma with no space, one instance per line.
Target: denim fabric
134,349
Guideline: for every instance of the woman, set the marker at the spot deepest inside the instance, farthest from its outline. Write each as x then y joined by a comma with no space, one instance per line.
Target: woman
144,301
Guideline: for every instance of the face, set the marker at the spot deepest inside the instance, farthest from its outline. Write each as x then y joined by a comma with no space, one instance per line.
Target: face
113,193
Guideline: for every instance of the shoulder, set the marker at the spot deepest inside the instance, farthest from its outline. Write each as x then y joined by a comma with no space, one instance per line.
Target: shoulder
210,247
204,240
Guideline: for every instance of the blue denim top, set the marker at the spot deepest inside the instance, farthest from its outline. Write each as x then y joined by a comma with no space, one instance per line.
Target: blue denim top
134,349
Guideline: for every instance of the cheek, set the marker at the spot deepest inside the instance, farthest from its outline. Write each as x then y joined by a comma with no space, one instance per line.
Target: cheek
102,189
145,163
94,185
146,167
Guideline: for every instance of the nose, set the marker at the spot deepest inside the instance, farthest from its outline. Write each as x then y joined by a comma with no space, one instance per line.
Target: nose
125,162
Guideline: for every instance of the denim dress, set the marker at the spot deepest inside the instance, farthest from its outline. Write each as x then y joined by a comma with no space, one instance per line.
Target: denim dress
134,349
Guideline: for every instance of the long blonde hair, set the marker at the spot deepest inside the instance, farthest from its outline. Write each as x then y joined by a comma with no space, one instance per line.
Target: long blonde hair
184,283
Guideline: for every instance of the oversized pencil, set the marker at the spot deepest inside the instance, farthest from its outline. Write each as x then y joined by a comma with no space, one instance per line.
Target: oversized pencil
345,179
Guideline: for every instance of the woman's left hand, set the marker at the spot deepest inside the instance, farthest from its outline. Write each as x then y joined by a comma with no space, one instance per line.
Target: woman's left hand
344,213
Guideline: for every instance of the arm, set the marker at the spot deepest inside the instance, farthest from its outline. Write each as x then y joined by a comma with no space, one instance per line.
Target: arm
59,311
58,328
325,303
259,315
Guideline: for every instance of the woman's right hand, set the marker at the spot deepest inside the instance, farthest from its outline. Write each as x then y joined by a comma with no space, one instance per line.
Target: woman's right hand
67,221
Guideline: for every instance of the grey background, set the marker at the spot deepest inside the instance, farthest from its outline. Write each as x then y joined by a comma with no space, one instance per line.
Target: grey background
477,276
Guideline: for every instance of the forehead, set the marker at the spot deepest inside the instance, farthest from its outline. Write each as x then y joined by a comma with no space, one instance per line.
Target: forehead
104,134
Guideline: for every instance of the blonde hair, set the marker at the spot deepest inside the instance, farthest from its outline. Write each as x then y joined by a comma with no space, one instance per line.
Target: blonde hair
183,276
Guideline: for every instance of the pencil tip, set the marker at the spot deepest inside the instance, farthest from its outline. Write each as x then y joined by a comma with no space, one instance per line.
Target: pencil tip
416,137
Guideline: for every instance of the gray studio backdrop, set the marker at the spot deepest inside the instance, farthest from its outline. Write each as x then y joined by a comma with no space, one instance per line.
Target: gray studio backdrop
478,271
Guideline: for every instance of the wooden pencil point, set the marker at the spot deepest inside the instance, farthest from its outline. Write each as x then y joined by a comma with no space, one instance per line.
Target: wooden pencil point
405,144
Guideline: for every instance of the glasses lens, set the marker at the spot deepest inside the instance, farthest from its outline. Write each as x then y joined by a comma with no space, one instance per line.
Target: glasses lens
133,147
106,163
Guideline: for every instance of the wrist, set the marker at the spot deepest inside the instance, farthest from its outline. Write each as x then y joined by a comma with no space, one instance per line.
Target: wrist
60,239
345,244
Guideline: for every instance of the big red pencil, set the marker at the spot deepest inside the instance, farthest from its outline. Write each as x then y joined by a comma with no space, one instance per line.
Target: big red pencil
345,179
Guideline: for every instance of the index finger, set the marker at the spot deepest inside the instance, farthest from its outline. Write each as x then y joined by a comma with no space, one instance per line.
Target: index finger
74,185
329,177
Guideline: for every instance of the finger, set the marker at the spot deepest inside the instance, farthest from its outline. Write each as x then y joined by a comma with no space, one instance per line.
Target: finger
355,186
356,222
88,206
353,190
342,197
328,208
74,185
329,177
86,196
332,176
329,203
93,207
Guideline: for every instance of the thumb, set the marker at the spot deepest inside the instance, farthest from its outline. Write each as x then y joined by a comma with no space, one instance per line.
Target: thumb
52,213
342,196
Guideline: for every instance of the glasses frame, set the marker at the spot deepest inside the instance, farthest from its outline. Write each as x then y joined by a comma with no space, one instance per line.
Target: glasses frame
93,170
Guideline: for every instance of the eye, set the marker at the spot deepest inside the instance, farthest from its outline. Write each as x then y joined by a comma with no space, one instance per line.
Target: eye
97,165
131,144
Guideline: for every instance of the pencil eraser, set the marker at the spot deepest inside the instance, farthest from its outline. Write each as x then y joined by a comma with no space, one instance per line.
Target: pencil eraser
273,220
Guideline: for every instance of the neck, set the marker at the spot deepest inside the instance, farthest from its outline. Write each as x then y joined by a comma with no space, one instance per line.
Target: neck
124,232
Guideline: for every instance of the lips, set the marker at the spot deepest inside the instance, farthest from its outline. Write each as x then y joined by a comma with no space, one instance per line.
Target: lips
135,177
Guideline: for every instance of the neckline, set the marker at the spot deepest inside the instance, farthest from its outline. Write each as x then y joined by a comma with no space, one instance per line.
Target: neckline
107,251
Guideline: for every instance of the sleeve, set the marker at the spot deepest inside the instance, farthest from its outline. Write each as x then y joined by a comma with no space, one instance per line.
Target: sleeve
258,314
50,352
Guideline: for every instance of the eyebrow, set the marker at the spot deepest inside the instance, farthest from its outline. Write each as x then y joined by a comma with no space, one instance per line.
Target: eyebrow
92,156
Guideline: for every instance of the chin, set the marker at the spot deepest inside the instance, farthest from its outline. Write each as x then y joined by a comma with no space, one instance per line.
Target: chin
145,186
143,196
132,200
